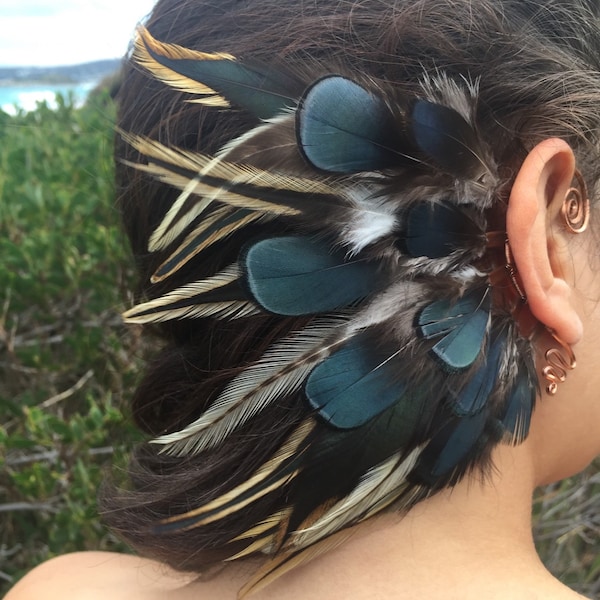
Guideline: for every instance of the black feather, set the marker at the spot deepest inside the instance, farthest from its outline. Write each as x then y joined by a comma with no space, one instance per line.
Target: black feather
437,229
447,138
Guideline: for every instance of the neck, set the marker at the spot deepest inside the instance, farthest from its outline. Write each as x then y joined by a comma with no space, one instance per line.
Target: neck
466,542
486,517
497,506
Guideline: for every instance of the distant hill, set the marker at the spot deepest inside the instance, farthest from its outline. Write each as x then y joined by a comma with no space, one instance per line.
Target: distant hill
70,74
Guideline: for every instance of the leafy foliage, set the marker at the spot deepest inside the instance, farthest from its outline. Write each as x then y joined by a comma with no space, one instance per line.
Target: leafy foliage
66,361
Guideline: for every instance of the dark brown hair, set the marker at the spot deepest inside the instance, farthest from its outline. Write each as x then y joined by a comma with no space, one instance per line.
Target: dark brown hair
538,67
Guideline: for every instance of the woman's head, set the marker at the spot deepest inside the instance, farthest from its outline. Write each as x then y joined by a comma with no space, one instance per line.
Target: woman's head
343,333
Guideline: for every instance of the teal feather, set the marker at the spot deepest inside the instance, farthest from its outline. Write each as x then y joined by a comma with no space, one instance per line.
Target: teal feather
453,445
516,419
354,384
472,397
342,127
463,325
301,276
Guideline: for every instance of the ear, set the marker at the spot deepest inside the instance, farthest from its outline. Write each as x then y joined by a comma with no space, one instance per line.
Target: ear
538,239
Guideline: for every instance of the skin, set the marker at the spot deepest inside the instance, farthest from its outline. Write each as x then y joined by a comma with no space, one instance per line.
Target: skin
473,541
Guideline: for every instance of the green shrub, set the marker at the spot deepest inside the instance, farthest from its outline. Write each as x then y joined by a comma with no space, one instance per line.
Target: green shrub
66,361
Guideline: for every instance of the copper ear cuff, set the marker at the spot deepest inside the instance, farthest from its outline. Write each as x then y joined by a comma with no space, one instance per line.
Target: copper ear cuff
559,362
511,269
575,212
576,207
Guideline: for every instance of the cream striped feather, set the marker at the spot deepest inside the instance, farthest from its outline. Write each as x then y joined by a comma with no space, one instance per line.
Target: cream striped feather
161,308
383,483
217,235
280,371
251,489
142,56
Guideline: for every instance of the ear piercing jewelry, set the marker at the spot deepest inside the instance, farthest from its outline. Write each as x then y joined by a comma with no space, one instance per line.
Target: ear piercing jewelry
512,271
576,207
558,360
555,371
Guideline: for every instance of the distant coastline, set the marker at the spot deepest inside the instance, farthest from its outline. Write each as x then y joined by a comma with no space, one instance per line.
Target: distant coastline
27,96
62,75
24,87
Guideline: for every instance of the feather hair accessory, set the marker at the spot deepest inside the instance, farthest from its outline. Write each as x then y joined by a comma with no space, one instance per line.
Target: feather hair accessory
414,364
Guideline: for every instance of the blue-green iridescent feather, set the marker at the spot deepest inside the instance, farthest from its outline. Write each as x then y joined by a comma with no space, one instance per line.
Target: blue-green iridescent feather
343,128
520,402
473,394
452,445
462,324
354,384
446,137
297,275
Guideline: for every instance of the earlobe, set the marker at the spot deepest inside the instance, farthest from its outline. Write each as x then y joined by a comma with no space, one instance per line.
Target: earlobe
537,240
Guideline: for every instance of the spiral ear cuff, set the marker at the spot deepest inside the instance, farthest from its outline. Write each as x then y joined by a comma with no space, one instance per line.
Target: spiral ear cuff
576,207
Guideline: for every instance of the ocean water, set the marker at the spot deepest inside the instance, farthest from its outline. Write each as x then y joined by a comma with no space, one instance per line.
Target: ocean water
27,97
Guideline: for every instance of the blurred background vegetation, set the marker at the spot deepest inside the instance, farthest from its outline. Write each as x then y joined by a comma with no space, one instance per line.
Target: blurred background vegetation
66,360
68,365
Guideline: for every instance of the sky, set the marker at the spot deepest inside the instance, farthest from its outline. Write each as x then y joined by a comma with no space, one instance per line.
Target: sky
66,32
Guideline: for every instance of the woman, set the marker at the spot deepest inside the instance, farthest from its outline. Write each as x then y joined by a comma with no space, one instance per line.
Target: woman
364,230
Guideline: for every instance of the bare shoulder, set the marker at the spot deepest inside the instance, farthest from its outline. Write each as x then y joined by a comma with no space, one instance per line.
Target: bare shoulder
109,576
99,576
